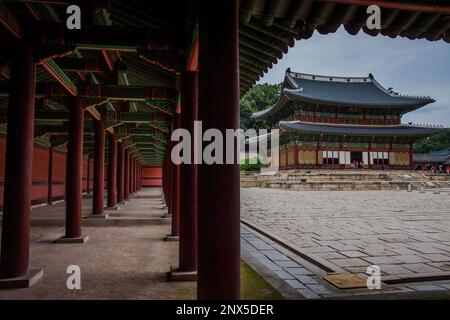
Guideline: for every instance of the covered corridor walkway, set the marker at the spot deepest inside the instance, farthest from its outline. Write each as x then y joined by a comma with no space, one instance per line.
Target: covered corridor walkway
92,110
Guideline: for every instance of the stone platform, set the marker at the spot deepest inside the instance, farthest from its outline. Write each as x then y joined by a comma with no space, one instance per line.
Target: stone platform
345,180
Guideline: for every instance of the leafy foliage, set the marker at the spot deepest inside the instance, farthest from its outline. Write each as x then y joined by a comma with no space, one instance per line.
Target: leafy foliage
434,143
247,166
258,98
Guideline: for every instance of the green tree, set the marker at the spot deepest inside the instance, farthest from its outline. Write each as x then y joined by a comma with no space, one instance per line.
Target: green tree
258,98
433,143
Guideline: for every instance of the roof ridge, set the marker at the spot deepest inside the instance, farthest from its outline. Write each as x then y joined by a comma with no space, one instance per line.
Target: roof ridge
318,77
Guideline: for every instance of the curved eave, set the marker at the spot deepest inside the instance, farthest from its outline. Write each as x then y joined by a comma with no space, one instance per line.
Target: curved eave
269,28
405,107
266,113
360,130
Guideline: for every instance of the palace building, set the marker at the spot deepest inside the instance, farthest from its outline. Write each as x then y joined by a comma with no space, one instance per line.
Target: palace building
344,122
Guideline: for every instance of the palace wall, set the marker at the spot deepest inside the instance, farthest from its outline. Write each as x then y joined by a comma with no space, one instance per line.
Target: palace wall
151,176
40,185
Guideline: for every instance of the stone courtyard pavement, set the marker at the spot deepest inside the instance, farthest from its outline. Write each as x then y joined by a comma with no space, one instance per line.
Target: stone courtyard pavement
407,234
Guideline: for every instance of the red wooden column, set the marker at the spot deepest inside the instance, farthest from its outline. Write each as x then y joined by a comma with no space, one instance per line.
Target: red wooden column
14,261
318,165
188,180
120,173
126,176
130,179
174,189
74,174
218,185
112,171
88,175
50,176
140,177
131,174
411,160
138,174
295,150
99,168
166,177
135,175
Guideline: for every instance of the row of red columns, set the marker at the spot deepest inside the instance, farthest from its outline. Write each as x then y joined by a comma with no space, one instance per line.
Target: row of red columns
210,191
14,259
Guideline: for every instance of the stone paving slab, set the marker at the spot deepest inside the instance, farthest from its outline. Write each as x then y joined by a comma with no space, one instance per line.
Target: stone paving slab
407,233
308,281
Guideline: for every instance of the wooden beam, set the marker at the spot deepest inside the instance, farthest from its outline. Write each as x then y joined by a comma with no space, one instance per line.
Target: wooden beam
158,108
106,38
149,131
81,65
101,92
158,63
9,22
56,72
141,117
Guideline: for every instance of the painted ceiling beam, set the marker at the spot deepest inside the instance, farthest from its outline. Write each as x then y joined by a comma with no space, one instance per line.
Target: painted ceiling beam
99,91
106,38
43,12
141,117
60,76
9,21
140,131
150,140
154,106
81,65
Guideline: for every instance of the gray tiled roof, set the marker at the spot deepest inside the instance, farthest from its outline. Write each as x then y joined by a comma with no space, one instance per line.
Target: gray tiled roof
429,158
340,91
360,130
441,156
364,92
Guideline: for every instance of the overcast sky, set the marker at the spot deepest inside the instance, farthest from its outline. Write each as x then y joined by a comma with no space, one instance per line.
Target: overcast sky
418,67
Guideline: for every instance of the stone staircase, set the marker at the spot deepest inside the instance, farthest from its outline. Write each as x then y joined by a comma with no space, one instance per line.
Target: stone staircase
345,180
249,179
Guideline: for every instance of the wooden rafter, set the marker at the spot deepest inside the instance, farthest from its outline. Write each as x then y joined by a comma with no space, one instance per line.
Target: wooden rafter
56,72
395,5
9,21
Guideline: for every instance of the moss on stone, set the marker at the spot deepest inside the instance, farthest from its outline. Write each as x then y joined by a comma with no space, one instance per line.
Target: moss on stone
255,287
